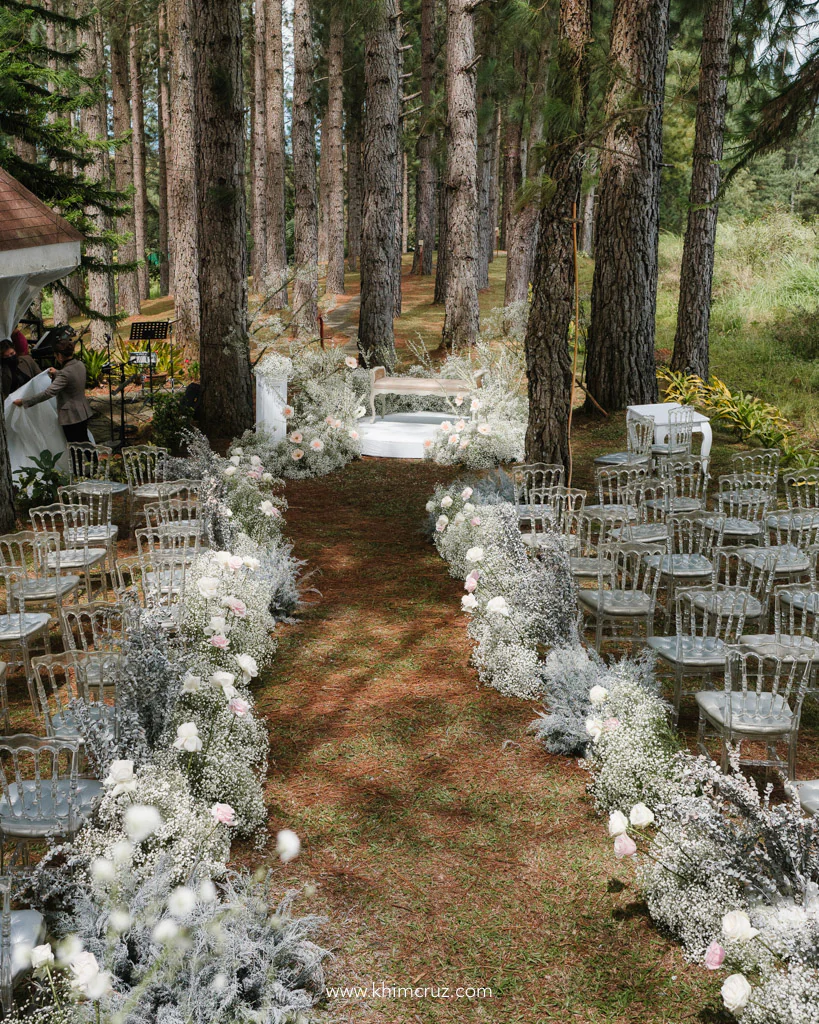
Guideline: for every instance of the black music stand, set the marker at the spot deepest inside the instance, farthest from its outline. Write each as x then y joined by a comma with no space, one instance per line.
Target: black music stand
151,330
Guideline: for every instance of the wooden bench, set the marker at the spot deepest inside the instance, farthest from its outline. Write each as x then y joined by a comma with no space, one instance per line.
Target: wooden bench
381,384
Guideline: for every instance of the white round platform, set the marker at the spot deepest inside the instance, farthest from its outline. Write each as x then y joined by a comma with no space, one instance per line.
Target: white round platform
400,435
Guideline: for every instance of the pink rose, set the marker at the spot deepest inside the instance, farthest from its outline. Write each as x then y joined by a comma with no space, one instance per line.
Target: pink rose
714,956
254,474
624,846
611,724
239,707
475,520
223,814
235,562
471,585
219,641
239,608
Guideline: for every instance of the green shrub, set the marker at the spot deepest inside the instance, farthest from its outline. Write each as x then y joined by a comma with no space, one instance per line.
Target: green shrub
798,332
170,420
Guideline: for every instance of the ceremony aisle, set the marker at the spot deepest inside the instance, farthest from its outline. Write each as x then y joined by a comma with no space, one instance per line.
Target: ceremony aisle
448,849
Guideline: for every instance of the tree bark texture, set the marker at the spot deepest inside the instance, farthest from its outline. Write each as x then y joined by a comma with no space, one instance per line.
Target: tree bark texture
461,305
227,403
139,158
165,67
183,191
305,286
334,139
380,163
512,141
162,190
485,146
587,244
425,185
620,364
548,362
697,272
494,187
276,262
127,280
398,205
439,295
258,157
100,294
354,185
322,195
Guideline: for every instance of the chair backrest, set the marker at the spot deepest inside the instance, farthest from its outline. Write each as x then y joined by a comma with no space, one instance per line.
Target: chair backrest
36,554
93,627
36,766
627,567
795,611
800,529
170,511
618,485
70,521
681,427
640,434
184,537
683,477
75,675
743,496
144,464
180,490
760,462
13,606
802,487
733,571
754,681
706,621
163,583
695,533
537,478
591,532
89,461
96,499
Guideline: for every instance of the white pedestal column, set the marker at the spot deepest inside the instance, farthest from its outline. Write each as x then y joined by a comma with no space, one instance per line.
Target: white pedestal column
271,398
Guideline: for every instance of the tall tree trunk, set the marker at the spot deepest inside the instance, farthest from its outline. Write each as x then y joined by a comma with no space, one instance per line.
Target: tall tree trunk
587,244
620,365
380,158
127,280
183,186
398,205
334,139
95,126
167,136
354,189
276,262
258,255
522,227
425,186
405,199
697,271
305,223
512,141
461,315
548,364
63,306
139,154
227,401
322,195
439,295
494,187
485,146
162,190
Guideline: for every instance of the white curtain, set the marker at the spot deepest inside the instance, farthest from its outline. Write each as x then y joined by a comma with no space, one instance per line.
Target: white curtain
31,431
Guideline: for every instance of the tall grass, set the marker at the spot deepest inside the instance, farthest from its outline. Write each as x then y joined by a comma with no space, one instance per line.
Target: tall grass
765,312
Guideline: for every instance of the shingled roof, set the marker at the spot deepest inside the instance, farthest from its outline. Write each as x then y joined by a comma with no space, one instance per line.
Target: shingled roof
26,221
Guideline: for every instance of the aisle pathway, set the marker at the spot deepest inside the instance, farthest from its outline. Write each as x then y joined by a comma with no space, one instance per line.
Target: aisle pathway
447,848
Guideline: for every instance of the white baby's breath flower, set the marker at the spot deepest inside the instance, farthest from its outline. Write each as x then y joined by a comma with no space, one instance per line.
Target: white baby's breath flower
141,821
288,845
181,902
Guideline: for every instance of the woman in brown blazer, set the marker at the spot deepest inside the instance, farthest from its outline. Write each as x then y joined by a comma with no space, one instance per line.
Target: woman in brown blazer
68,386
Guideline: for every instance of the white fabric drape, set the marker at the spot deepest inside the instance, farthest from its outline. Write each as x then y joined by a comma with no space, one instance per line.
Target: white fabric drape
271,398
31,431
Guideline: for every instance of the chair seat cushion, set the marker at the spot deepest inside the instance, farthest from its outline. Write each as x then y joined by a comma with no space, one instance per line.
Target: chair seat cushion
693,566
809,796
27,931
785,647
735,527
699,652
147,491
752,714
641,533
95,533
729,602
803,601
28,818
616,602
793,519
789,559
612,511
587,565
64,724
78,558
49,588
32,624
621,459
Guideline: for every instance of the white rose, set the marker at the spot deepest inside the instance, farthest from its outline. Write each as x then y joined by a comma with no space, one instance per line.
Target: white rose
466,493
598,695
459,518
446,502
191,684
217,624
288,845
222,558
640,816
251,563
230,470
248,665
267,478
208,587
736,926
474,555
121,777
238,451
594,727
618,823
87,974
187,738
736,992
497,606
469,508
430,506
441,523
41,955
236,459
469,603
255,460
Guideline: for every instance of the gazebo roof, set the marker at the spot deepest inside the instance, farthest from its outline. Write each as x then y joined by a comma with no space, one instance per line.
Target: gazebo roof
26,222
